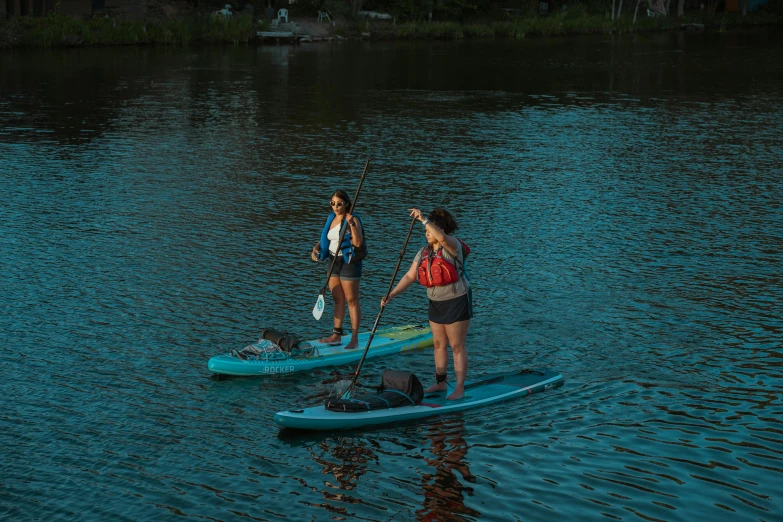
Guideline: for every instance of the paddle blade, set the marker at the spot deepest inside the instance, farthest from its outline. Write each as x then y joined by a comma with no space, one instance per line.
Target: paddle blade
318,309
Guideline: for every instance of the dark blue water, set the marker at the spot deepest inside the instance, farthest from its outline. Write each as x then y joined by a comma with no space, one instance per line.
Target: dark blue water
622,199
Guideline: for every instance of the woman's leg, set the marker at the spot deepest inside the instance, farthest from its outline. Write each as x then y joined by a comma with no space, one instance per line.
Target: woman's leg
351,291
457,333
440,341
339,309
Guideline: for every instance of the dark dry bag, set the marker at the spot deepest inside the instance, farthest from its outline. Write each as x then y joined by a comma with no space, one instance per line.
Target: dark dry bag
397,389
286,341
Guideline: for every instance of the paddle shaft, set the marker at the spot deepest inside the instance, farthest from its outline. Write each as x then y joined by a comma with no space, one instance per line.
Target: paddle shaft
345,228
380,313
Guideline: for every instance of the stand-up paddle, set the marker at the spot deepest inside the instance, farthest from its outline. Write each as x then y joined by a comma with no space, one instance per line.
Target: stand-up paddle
318,309
347,393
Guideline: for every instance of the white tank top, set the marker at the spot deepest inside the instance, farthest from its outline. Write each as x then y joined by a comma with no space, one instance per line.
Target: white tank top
334,236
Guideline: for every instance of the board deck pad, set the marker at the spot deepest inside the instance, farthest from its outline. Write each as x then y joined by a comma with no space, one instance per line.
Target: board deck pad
478,392
387,341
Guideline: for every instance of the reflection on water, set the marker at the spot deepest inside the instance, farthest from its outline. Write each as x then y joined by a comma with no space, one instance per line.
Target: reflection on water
443,489
442,469
351,456
622,198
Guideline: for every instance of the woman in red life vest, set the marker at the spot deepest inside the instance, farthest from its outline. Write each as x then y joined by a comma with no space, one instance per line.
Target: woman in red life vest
439,267
344,279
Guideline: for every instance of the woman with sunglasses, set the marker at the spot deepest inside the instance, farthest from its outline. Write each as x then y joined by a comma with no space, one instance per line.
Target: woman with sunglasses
344,278
440,267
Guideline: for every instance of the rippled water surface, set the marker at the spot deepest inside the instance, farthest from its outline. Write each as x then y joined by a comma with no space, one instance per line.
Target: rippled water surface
623,201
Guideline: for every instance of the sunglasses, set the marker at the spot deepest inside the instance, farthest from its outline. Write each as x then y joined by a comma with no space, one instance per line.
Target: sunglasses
337,203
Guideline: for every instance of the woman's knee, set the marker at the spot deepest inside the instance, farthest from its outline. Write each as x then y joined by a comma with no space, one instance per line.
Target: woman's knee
458,340
459,350
352,301
439,344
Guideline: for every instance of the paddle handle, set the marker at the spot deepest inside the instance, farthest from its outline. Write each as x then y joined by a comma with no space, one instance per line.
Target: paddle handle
345,229
380,313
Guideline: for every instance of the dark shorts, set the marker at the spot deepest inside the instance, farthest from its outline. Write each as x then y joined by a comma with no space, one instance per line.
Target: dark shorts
451,311
346,271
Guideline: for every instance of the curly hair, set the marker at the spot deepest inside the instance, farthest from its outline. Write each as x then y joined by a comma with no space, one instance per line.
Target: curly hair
344,196
442,218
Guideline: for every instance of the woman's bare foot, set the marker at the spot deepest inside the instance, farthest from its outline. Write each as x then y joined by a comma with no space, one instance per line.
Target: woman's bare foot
332,339
441,386
354,344
458,393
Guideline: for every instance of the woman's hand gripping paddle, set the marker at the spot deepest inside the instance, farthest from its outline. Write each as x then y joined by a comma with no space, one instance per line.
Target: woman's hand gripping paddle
320,304
349,384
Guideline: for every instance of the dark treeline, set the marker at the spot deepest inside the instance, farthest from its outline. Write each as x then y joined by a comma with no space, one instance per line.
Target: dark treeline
503,10
170,22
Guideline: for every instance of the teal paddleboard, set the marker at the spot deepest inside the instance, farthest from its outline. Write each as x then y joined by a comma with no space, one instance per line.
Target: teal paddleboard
479,392
387,341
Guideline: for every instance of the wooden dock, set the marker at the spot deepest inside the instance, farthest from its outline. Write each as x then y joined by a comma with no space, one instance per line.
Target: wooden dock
276,35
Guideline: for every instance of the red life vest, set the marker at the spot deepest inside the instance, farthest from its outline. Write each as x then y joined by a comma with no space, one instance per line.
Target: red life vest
435,270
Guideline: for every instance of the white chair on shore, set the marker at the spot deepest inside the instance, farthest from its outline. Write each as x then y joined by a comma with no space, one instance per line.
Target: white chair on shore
226,11
323,15
283,13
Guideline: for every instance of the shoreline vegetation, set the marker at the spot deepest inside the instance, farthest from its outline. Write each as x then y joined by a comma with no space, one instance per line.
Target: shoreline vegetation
56,30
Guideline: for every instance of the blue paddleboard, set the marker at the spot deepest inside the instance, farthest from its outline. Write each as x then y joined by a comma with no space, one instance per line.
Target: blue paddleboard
387,341
478,392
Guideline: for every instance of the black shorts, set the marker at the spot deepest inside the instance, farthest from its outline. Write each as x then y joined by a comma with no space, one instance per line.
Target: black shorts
346,271
451,311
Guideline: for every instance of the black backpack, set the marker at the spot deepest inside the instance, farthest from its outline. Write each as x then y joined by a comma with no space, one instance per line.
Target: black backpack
286,341
397,389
